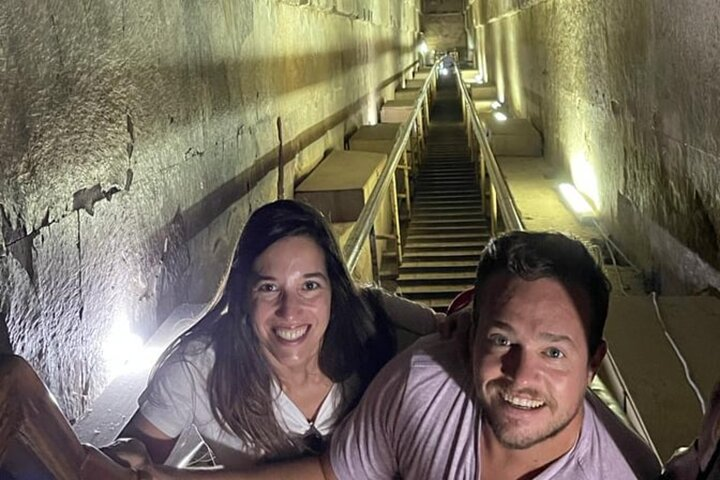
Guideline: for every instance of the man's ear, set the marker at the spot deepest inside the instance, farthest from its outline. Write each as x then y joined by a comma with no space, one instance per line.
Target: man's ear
597,359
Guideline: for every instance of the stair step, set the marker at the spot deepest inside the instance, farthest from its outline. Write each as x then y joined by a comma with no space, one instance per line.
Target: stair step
458,277
413,246
442,255
415,224
450,214
433,290
430,195
441,236
447,266
473,208
475,205
450,200
447,230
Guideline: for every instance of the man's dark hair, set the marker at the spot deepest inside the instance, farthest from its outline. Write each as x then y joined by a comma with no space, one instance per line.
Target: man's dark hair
535,255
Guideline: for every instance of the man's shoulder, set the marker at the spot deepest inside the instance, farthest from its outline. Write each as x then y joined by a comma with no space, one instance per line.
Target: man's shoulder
609,446
434,356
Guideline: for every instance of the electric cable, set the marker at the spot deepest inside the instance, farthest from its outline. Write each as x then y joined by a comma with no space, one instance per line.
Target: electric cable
658,315
674,346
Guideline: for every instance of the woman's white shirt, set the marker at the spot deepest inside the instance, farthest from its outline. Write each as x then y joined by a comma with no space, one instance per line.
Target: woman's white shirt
179,400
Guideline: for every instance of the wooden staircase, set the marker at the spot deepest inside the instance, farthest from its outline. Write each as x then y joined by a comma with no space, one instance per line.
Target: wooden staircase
448,228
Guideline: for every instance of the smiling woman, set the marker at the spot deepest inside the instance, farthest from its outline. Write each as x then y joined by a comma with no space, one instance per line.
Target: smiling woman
284,354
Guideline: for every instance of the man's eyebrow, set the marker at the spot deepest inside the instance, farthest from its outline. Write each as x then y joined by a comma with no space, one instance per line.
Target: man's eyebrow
257,277
557,338
501,325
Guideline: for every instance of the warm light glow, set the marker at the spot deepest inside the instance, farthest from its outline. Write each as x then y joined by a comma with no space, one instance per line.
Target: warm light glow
123,350
495,105
372,110
423,47
584,178
499,116
575,201
444,71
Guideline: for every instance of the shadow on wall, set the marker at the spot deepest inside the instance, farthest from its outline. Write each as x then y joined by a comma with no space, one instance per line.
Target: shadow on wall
199,216
5,346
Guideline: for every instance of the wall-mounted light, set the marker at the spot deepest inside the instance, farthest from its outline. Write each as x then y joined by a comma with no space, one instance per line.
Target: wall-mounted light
123,350
576,202
423,47
500,116
495,105
584,178
444,71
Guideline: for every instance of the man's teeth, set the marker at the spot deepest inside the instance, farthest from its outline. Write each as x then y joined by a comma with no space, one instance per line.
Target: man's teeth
522,402
291,334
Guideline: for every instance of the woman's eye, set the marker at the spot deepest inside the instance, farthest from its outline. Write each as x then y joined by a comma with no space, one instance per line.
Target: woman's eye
312,285
267,287
554,353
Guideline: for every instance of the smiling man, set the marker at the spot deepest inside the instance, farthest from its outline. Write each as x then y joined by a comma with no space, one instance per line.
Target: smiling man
509,398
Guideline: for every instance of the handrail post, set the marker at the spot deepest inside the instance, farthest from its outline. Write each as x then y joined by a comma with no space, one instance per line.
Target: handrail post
501,200
362,226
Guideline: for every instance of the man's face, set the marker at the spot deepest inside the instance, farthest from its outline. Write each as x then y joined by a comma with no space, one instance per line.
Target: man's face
530,359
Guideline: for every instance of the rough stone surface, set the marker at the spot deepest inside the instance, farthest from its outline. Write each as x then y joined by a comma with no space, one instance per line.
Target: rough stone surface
631,87
445,32
136,138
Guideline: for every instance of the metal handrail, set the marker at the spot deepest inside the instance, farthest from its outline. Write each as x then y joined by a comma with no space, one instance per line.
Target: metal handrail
363,225
503,196
512,221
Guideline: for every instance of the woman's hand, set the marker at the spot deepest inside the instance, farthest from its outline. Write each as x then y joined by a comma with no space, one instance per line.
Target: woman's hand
98,465
129,452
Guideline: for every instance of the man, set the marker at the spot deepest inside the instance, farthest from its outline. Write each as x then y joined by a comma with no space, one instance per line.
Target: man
513,403
506,399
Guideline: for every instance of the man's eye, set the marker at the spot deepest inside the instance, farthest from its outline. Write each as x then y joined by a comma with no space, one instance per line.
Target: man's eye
554,353
499,340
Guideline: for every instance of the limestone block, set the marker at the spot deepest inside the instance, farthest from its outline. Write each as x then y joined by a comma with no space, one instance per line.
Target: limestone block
422,74
341,184
415,83
484,92
363,270
375,138
468,76
514,137
650,368
483,106
396,111
407,93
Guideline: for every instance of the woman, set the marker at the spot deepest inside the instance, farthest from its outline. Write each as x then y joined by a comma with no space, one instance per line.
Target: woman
282,356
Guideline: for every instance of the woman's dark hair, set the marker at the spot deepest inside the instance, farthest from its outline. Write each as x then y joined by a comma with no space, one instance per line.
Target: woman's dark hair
534,255
239,385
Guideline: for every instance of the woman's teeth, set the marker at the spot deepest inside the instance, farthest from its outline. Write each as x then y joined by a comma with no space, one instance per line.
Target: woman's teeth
522,402
291,334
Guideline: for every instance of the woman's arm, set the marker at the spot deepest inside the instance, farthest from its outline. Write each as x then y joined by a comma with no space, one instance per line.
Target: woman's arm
137,458
406,314
158,444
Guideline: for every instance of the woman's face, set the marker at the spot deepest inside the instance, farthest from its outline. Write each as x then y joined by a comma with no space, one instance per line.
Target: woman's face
290,301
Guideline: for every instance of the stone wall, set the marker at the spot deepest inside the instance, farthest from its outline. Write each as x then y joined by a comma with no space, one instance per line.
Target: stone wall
138,135
445,32
627,90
